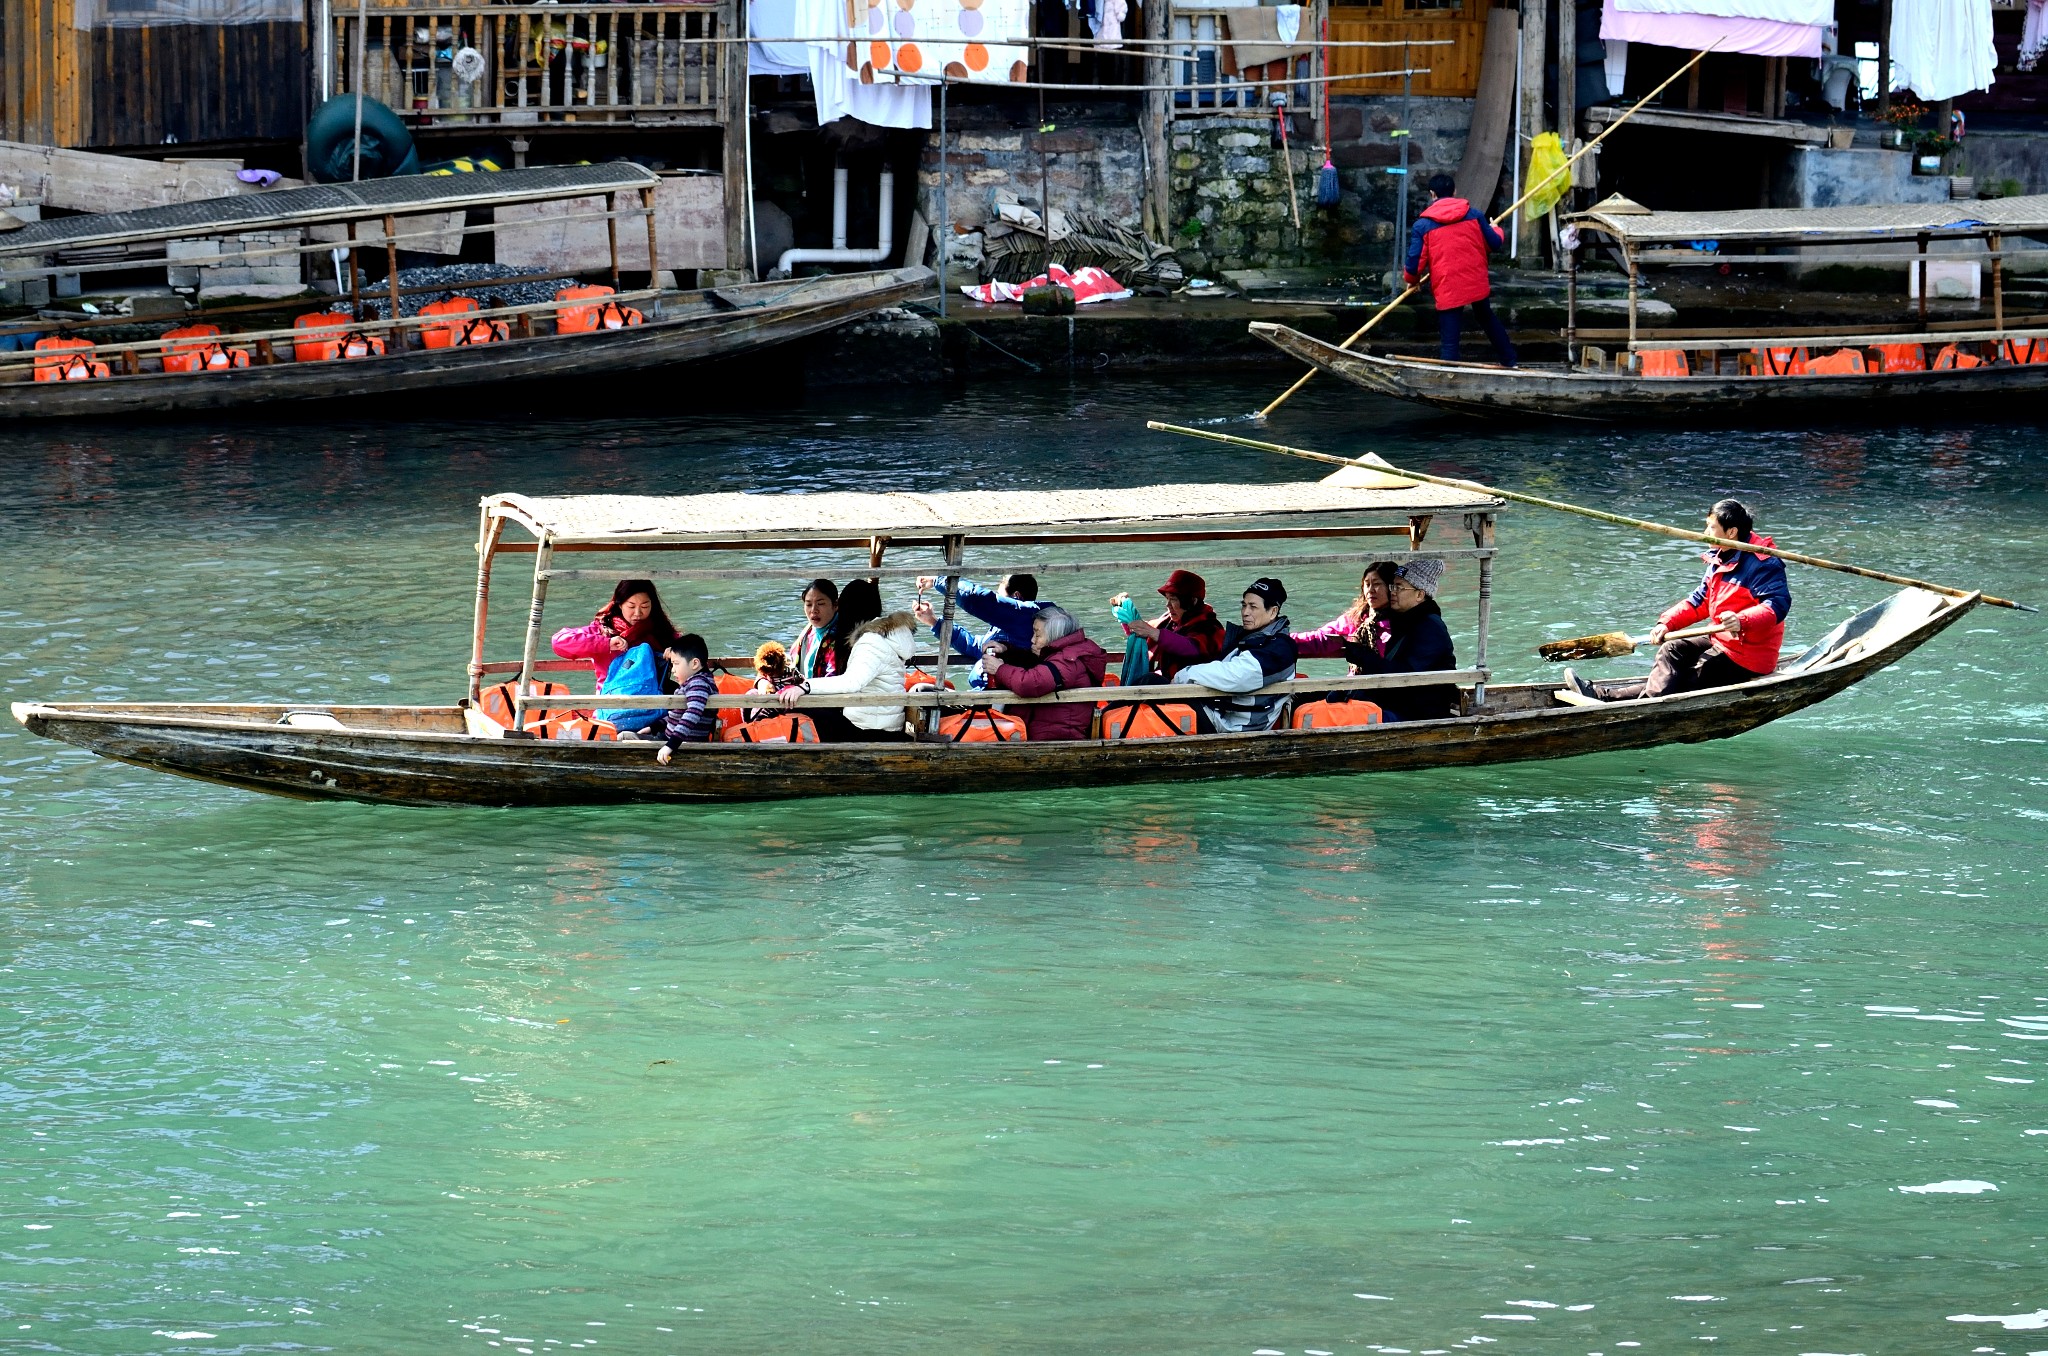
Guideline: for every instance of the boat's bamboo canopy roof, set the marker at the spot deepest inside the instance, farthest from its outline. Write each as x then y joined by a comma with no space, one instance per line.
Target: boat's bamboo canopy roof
325,204
638,519
1818,225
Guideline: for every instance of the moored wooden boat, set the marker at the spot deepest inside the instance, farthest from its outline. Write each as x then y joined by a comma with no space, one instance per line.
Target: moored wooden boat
1555,391
453,755
1985,366
679,326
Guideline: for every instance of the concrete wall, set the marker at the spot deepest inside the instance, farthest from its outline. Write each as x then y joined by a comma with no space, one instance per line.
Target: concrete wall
1814,176
1229,181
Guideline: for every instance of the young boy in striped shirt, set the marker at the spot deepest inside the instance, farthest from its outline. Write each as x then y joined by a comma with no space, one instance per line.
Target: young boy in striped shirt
693,722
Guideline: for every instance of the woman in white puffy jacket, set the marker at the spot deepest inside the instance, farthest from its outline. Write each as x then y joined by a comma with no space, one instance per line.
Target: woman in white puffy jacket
877,663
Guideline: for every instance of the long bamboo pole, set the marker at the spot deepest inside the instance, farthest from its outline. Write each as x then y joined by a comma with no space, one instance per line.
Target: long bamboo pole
1374,463
1512,208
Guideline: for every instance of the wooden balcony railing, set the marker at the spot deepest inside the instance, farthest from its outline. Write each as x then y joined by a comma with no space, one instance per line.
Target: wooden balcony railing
640,65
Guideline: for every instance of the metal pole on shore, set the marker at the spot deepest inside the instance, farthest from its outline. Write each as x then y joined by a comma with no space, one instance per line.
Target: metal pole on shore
945,222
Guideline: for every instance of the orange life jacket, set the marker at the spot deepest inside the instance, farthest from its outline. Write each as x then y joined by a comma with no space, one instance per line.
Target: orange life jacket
1780,362
732,717
1664,362
319,338
794,728
495,703
1148,720
579,725
1901,358
1839,363
982,726
444,335
2024,351
197,348
68,360
1953,358
1327,715
597,313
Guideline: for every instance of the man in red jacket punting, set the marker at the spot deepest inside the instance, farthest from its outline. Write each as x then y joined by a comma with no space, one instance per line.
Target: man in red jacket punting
1449,242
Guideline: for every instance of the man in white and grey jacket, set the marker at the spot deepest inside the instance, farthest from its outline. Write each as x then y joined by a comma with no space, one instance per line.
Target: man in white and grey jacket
1256,654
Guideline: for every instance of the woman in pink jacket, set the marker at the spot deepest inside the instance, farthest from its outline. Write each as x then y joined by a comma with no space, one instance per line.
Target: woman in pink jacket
1365,619
634,616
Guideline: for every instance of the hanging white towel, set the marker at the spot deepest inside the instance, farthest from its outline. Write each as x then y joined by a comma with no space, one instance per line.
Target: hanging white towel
1942,48
1108,23
2034,38
1616,66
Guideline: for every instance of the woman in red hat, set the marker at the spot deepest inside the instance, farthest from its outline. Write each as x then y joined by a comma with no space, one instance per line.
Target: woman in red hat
1189,632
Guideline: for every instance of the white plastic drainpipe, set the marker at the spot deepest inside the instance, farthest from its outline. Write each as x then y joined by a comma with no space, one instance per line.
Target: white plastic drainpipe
885,232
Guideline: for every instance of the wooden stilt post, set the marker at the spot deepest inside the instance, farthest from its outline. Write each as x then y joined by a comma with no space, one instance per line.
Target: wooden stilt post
1634,282
1482,536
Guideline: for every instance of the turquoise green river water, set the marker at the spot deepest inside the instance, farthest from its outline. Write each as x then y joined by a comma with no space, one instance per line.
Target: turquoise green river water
1733,1047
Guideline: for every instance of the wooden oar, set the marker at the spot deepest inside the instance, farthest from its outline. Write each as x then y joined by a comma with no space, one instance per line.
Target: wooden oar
1613,644
1371,462
1513,207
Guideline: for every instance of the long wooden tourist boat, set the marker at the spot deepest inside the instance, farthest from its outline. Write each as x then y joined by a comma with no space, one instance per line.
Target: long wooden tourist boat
130,377
453,754
1982,366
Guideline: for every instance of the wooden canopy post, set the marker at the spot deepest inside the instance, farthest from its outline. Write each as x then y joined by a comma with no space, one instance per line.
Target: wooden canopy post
489,529
611,233
1922,266
1997,281
955,547
1634,276
1481,525
653,261
355,274
391,264
543,557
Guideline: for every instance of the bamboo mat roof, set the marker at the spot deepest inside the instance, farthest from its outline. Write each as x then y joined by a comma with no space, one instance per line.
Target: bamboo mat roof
739,517
324,204
1628,221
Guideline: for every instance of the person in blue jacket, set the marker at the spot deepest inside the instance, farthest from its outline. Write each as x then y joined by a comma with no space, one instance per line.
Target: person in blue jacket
1008,610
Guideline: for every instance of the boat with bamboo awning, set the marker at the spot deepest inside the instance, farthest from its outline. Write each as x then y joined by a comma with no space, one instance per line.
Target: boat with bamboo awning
1985,365
261,354
457,754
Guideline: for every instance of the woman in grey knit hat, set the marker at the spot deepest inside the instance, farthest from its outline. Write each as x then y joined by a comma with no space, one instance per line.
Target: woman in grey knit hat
1418,642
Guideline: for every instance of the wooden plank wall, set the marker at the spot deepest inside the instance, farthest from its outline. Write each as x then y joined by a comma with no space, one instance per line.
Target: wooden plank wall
135,87
1453,70
198,83
40,64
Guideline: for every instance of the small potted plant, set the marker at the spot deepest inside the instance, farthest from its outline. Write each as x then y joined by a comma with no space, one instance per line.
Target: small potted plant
1900,120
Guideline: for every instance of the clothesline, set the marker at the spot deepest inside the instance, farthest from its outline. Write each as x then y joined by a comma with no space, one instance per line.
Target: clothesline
1082,43
1231,87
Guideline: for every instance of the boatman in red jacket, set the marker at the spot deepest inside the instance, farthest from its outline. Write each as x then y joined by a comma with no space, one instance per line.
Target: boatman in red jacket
1449,242
1744,593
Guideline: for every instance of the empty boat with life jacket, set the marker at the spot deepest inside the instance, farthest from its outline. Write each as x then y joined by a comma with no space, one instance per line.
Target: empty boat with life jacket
1979,365
363,341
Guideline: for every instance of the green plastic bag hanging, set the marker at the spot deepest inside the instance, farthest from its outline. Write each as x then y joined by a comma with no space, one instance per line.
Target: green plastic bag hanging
1549,176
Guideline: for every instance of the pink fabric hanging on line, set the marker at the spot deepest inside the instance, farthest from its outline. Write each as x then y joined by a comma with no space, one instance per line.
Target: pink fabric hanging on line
1701,32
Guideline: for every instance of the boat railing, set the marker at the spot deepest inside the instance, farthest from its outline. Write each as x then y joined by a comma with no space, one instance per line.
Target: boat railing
964,699
639,64
266,342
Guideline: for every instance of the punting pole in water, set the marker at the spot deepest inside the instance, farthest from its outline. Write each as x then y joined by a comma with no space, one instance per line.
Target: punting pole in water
1512,208
1371,462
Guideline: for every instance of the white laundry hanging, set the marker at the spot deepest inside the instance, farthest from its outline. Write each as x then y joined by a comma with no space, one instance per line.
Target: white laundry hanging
1942,48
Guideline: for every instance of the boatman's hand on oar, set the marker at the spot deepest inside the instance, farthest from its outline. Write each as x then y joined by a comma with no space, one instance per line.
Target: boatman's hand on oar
1656,636
1732,621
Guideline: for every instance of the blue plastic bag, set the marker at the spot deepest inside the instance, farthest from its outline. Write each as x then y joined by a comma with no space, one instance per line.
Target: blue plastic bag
636,673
